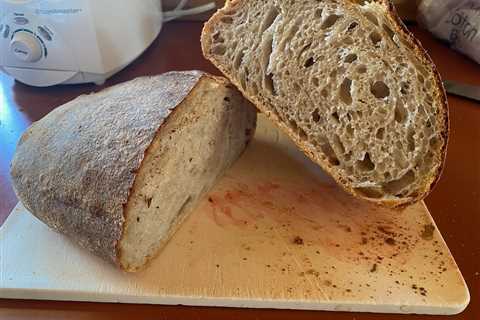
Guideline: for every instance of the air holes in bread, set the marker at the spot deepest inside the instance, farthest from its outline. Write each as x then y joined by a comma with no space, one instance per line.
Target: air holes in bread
345,91
372,193
335,117
396,186
380,133
390,34
330,21
428,99
428,160
219,50
371,17
399,157
404,88
350,58
227,20
400,112
316,116
324,92
428,84
269,85
310,62
361,69
366,164
330,154
302,134
411,140
242,82
254,88
352,26
305,48
296,87
266,53
318,13
380,90
218,38
337,143
315,81
350,130
434,142
293,124
348,157
375,37
238,59
270,17
420,78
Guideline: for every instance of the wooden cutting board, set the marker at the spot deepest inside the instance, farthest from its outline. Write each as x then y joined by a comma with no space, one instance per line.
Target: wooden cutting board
274,233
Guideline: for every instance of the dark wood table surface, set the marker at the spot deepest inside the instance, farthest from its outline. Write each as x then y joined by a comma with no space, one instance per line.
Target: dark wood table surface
454,204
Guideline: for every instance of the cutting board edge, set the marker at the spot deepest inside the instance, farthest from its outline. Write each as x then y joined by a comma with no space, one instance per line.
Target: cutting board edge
57,295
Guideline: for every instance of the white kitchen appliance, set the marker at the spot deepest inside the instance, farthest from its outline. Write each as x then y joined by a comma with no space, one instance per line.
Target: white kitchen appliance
49,42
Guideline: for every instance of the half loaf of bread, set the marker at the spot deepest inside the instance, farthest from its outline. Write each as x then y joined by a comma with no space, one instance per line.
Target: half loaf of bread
118,171
349,84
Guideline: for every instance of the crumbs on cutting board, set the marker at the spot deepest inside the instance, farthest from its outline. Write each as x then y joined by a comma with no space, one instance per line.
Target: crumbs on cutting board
316,224
298,240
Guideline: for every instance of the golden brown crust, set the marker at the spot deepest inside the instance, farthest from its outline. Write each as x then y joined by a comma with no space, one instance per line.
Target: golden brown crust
420,53
90,151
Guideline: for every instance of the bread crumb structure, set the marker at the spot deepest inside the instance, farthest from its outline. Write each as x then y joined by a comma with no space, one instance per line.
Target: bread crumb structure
347,82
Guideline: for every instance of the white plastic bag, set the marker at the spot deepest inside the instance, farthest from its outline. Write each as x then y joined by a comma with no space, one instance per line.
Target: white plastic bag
455,21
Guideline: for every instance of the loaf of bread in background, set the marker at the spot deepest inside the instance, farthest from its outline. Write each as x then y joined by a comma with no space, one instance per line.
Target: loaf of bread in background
347,81
119,170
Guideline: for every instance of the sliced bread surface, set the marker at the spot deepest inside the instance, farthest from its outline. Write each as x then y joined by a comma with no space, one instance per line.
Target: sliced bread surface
119,170
349,84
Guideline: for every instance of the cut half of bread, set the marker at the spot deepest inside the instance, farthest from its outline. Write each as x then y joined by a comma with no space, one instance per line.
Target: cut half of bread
349,84
119,170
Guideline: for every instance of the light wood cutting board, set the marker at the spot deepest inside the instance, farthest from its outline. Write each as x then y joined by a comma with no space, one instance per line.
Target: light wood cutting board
274,233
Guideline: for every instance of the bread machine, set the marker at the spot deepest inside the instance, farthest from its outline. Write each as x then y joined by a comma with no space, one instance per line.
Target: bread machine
48,42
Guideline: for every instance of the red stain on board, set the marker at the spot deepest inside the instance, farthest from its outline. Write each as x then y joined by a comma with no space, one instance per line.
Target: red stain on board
227,211
328,221
303,210
213,211
267,188
229,196
221,213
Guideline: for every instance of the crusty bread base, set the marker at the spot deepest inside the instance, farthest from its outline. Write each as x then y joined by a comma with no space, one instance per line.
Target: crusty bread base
384,8
200,139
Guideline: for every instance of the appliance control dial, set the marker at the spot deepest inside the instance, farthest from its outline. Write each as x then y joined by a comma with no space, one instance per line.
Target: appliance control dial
26,47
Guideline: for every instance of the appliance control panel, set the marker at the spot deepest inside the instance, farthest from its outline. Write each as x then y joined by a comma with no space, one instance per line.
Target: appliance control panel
27,40
51,35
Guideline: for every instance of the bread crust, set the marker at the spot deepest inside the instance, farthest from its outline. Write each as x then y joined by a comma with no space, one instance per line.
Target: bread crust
419,52
74,169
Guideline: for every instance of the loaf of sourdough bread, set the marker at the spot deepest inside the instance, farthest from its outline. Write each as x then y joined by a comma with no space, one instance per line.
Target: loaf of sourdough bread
347,81
119,170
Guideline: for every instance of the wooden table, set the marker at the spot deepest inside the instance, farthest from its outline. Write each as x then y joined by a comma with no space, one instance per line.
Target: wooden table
455,203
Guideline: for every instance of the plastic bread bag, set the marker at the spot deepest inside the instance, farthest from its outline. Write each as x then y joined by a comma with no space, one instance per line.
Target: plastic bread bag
455,21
